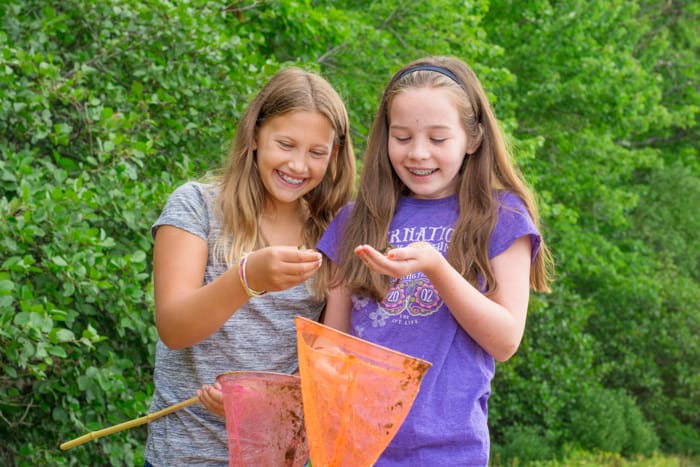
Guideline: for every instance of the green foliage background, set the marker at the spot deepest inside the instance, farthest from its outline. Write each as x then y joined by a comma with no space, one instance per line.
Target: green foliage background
106,106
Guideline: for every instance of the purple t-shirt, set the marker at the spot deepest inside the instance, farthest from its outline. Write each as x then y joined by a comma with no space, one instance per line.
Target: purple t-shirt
447,424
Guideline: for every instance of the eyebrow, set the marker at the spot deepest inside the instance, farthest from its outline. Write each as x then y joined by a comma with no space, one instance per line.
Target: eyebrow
394,126
285,136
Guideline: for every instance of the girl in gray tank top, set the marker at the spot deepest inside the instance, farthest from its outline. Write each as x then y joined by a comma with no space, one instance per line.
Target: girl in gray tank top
229,273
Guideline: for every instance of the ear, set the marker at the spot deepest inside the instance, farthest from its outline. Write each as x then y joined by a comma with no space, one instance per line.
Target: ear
474,144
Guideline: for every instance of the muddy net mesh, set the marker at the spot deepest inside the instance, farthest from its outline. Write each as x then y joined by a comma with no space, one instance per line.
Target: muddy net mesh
355,394
264,419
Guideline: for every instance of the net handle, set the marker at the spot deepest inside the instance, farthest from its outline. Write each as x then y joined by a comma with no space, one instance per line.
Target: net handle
126,425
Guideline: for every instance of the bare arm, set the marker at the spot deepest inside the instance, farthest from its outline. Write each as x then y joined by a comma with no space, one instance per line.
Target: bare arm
337,312
187,311
496,322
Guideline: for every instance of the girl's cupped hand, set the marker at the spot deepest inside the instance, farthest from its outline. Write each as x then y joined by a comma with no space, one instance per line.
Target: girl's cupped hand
398,262
281,267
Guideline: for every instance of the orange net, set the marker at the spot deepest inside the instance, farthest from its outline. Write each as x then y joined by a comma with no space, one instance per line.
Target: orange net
356,394
264,419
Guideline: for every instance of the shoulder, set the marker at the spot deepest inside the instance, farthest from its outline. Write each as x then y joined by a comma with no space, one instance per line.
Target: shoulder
202,192
328,244
192,197
510,201
341,218
512,212
513,221
189,207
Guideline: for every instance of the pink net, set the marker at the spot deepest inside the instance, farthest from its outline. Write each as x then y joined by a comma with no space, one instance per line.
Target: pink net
264,419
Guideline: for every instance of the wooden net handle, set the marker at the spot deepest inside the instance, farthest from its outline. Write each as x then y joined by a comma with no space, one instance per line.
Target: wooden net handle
126,425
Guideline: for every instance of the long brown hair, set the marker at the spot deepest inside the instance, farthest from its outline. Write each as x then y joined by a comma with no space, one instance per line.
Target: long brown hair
485,172
242,195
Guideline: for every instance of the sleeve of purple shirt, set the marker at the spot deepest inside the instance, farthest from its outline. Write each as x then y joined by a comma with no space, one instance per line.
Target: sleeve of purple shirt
328,245
514,221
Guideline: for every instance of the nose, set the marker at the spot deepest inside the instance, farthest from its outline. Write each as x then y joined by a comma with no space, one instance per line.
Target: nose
418,150
297,162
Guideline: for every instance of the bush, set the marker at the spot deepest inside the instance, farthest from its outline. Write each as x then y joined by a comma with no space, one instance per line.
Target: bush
609,420
522,445
679,438
103,107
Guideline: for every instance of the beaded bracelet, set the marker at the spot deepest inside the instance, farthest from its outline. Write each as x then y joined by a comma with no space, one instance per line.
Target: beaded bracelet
244,281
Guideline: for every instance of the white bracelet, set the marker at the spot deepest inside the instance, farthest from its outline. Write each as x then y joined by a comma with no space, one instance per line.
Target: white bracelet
244,281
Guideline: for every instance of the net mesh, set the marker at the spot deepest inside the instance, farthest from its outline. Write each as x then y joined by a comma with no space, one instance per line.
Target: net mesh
355,394
264,419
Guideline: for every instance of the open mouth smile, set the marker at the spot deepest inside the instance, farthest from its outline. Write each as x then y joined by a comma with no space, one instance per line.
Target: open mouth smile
422,172
289,179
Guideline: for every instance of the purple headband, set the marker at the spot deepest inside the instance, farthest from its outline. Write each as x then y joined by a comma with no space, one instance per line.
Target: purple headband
435,68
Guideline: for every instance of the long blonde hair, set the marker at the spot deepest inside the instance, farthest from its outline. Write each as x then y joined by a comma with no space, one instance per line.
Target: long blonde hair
242,195
485,172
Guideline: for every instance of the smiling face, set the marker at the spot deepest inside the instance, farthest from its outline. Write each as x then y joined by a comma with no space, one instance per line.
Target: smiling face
427,143
293,153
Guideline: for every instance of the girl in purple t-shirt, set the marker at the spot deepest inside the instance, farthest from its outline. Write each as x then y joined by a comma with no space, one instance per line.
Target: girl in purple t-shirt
437,255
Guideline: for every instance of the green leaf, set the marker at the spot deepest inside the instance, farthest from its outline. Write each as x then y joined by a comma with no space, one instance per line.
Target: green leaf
57,351
6,286
61,335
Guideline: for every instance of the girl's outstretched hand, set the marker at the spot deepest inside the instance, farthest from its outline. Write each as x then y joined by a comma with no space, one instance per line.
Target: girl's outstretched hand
212,398
398,262
280,267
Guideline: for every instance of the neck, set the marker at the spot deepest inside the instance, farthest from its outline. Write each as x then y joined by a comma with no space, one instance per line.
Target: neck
282,212
283,224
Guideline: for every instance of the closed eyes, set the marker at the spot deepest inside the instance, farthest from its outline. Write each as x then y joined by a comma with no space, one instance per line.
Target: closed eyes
314,152
405,139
